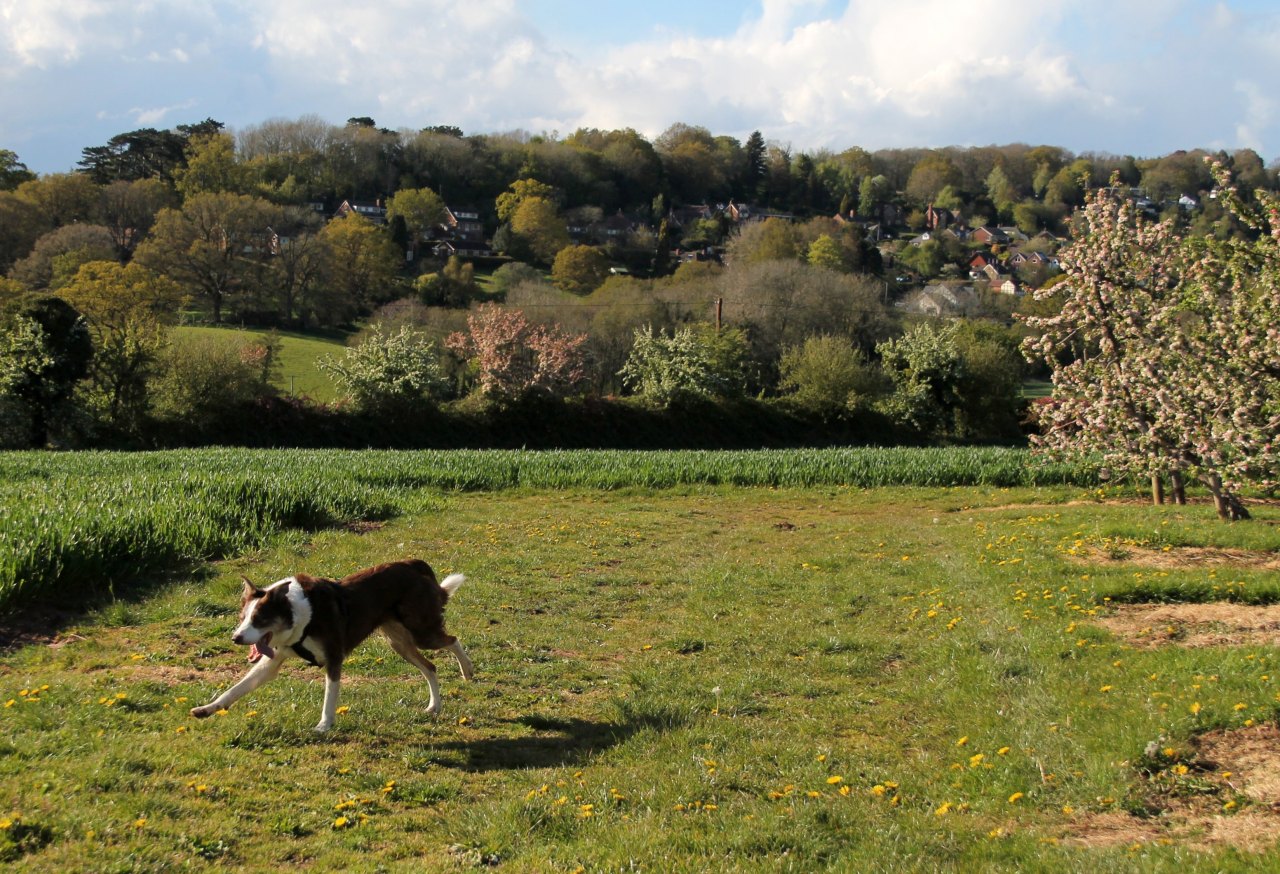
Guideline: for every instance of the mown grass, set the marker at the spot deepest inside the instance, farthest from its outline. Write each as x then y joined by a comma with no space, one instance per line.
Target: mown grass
706,677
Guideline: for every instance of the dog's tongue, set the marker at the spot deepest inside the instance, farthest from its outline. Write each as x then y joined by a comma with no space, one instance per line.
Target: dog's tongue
261,649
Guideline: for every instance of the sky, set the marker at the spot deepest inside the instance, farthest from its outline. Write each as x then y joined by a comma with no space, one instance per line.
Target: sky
1137,77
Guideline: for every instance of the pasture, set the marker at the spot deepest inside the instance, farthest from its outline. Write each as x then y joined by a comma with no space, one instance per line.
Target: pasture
298,375
686,662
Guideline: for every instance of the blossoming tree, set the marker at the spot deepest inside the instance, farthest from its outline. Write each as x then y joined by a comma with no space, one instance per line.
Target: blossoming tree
514,358
1165,354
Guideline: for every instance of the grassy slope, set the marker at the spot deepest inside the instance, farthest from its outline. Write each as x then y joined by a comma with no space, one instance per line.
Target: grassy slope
298,372
673,679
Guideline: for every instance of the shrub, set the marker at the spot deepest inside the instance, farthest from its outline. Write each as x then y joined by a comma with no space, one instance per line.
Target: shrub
387,373
827,376
206,378
687,364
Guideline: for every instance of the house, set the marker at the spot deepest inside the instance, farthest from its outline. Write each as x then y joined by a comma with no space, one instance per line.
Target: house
741,212
1188,202
374,211
1036,259
936,217
463,224
990,235
982,259
941,300
1009,286
994,273
614,227
683,216
1014,233
445,249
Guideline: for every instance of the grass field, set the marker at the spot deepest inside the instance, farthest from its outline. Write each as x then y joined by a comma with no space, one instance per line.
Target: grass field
688,678
298,374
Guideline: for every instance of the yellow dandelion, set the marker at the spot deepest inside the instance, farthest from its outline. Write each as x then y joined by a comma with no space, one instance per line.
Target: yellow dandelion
1105,689
944,809
341,822
976,760
1015,798
1002,751
180,729
878,789
831,781
1068,809
1195,708
964,740
140,822
343,710
1240,707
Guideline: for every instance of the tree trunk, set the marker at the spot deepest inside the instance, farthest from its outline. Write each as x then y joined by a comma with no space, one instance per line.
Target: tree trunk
1229,507
1179,488
1157,490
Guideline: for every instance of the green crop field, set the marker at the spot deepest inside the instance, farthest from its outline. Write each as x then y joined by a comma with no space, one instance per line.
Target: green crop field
685,662
298,374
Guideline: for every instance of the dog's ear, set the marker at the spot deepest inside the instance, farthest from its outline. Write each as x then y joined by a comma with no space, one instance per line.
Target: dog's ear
250,590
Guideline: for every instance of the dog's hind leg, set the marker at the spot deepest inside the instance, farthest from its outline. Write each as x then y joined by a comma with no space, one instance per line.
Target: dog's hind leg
264,670
464,661
401,640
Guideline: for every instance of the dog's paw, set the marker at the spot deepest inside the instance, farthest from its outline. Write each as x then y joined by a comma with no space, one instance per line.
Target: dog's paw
322,727
202,712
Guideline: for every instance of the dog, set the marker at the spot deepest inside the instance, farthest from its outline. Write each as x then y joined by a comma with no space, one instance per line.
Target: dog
321,621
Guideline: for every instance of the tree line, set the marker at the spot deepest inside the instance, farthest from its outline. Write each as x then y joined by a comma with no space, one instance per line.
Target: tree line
792,311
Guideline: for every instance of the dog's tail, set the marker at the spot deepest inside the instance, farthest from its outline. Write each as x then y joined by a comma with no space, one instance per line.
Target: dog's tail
451,583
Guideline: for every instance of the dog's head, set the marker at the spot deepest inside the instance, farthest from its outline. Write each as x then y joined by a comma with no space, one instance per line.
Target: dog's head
265,615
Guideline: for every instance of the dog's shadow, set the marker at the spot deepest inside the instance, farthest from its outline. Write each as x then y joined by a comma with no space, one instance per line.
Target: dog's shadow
558,742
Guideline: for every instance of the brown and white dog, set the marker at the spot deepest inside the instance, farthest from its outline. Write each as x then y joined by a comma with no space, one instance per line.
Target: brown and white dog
322,621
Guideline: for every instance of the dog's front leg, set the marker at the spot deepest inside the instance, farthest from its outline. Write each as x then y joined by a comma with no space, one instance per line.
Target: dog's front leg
332,680
264,670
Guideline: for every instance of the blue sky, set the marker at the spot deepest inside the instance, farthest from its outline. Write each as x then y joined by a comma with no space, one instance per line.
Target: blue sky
1141,77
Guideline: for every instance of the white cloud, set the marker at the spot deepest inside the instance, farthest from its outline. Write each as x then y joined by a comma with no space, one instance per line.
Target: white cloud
1144,76
47,32
155,116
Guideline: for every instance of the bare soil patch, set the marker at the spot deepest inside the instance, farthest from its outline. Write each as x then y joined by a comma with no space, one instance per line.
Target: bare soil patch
1181,557
1194,625
1236,804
